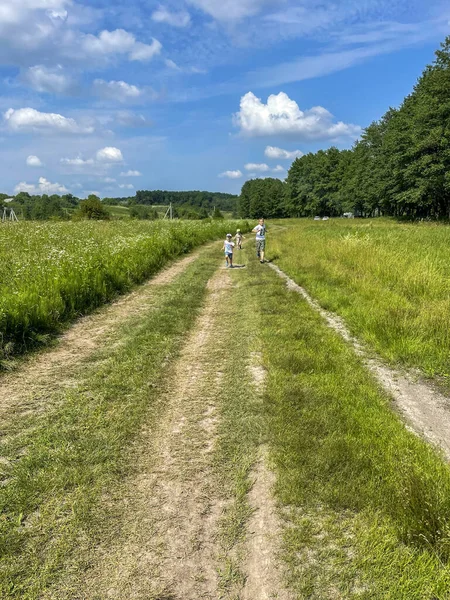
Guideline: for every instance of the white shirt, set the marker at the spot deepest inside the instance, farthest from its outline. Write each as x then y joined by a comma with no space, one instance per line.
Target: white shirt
258,229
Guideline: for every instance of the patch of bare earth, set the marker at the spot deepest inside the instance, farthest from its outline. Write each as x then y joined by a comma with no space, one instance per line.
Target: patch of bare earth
425,409
27,389
165,547
262,568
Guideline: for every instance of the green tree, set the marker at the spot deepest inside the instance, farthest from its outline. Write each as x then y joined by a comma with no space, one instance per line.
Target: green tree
92,208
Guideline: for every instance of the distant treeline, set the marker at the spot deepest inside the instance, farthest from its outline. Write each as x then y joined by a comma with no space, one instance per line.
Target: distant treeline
195,199
399,167
186,205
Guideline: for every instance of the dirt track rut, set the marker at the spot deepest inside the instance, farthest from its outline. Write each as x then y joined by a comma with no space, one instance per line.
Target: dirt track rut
425,409
28,388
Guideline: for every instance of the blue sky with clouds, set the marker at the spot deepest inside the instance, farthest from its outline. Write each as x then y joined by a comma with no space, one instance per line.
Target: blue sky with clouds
109,96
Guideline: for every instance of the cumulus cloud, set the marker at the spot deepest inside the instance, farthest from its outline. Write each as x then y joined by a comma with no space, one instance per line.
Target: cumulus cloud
176,19
259,168
278,169
119,41
43,187
126,186
116,90
34,161
131,174
231,174
282,116
52,81
31,120
109,155
277,153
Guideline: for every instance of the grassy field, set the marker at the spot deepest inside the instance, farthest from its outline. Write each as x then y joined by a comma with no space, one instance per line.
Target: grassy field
364,503
390,281
52,272
118,212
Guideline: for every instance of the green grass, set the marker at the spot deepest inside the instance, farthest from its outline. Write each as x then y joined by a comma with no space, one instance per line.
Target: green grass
390,281
61,462
52,272
118,212
366,503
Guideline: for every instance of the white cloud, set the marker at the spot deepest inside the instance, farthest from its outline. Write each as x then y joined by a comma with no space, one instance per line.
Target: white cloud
129,119
29,119
53,81
277,153
231,174
116,90
109,180
260,168
278,169
172,64
109,155
119,41
76,162
126,186
176,19
282,116
131,174
231,10
43,187
145,52
34,161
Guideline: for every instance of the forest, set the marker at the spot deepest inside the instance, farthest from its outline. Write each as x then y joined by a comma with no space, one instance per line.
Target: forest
187,205
399,167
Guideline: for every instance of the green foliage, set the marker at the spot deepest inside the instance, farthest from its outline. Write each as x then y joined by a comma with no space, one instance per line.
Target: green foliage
262,198
92,208
400,166
143,212
195,199
50,273
217,214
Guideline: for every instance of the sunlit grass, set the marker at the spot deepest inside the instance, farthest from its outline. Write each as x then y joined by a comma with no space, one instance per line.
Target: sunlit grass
366,502
52,272
390,281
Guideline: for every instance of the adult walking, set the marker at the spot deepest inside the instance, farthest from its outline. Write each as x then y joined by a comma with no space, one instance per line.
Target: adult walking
260,231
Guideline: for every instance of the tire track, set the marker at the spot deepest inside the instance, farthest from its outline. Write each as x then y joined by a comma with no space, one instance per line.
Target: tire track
426,411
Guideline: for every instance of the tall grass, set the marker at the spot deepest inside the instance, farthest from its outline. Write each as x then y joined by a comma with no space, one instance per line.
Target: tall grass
390,281
365,498
52,272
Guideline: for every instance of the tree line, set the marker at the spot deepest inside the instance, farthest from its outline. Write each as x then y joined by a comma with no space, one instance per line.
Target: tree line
399,167
186,205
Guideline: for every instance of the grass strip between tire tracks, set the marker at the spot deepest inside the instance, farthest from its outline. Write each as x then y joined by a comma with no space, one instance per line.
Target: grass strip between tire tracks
59,464
366,502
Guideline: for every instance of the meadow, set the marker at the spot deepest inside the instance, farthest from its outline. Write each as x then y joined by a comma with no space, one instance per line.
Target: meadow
390,281
51,273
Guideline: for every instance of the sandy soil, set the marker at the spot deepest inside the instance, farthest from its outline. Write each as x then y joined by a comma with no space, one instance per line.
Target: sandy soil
27,389
426,410
167,549
264,577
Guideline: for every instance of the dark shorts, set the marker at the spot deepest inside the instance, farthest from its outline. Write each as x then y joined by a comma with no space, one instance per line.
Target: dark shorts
260,245
229,254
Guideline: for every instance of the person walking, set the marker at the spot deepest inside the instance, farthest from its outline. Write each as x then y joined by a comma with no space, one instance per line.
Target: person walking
228,246
238,239
260,231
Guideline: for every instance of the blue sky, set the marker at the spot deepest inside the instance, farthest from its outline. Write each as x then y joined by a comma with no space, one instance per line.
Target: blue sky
109,96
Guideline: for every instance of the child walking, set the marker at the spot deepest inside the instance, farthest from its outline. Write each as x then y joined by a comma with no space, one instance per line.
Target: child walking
239,237
228,246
